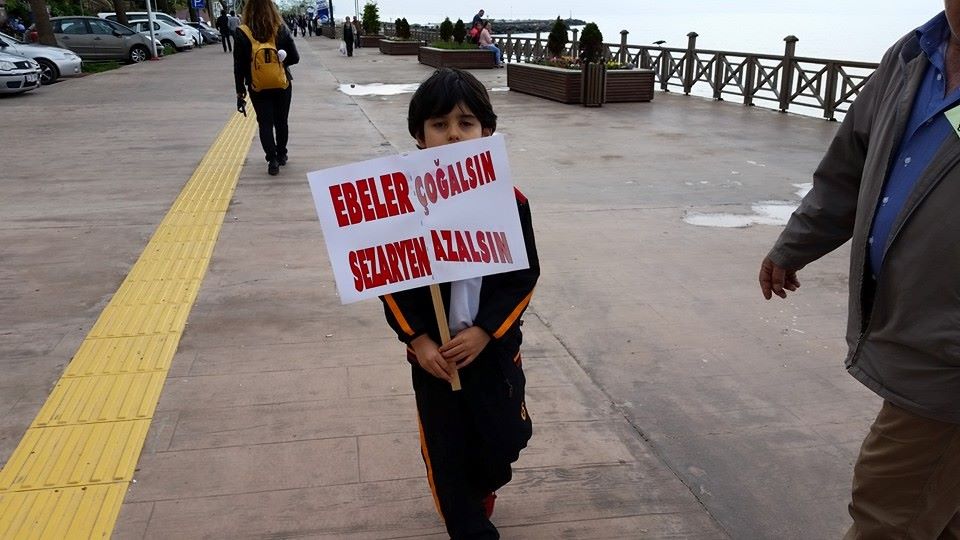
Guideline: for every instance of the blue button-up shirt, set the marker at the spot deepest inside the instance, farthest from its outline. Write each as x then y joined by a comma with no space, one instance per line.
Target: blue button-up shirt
926,131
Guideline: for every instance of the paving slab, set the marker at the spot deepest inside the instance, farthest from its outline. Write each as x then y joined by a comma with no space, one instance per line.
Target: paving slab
669,400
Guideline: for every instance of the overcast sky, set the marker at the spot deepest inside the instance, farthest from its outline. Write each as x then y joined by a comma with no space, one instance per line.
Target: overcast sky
847,29
437,9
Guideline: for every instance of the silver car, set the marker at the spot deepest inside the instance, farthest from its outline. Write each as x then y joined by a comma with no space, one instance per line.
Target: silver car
54,61
18,74
177,38
157,16
94,38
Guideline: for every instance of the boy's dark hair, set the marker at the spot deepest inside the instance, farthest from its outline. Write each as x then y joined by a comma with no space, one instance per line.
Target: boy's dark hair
441,92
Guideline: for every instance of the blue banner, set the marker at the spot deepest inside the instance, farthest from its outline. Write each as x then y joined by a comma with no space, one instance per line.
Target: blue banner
322,12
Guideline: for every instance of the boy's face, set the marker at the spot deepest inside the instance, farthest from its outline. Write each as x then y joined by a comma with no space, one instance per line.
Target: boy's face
457,125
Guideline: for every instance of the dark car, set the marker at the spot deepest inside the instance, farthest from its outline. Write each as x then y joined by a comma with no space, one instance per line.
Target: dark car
210,35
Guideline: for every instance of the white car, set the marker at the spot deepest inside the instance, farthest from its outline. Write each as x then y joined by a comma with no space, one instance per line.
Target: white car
55,62
157,16
18,74
168,35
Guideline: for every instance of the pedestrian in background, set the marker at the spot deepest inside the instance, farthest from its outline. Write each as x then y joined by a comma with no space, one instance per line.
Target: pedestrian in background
233,22
889,183
357,32
348,36
226,35
486,42
262,58
477,19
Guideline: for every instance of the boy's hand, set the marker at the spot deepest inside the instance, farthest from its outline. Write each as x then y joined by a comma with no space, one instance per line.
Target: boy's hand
430,359
466,346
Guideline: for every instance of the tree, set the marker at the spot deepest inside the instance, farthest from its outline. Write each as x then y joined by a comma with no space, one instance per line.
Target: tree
446,29
591,44
404,31
121,12
459,31
371,18
557,40
42,20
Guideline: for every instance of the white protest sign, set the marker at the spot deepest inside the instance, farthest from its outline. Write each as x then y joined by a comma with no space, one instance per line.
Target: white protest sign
430,216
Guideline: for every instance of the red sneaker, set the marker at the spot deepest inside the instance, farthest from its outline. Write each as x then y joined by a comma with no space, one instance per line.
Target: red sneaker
488,502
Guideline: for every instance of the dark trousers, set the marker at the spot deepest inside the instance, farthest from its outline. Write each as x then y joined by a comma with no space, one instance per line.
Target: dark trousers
273,108
469,438
226,41
348,39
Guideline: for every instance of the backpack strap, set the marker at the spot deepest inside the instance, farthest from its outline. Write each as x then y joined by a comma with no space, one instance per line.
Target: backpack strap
246,30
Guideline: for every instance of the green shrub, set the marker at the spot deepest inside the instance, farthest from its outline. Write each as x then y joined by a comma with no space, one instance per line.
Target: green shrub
459,31
446,30
371,18
404,32
99,67
557,41
591,44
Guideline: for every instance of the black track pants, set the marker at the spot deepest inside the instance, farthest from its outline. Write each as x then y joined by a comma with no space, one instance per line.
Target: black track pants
470,438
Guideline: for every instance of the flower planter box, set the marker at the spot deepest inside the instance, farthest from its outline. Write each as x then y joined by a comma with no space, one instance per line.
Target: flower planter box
629,85
328,31
457,58
554,83
372,40
563,85
388,46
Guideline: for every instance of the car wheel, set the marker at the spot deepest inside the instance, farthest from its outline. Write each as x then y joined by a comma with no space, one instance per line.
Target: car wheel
48,71
138,53
169,43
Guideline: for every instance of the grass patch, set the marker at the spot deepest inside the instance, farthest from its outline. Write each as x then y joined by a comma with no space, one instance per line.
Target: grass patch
168,50
99,67
454,46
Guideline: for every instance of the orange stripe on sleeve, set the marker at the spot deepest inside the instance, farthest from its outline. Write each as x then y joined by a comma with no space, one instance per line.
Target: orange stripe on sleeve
513,316
397,314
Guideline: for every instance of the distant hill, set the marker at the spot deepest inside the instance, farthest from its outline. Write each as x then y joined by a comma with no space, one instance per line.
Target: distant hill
529,26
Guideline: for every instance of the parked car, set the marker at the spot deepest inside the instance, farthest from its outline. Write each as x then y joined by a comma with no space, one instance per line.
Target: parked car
168,35
54,61
18,74
209,33
157,16
97,39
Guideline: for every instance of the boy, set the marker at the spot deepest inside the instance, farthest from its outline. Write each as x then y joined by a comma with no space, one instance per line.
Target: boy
469,438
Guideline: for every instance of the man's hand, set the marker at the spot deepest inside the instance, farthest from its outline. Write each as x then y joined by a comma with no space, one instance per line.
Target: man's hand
777,280
465,346
430,359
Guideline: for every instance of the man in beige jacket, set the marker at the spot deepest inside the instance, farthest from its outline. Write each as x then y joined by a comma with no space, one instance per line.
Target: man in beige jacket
890,183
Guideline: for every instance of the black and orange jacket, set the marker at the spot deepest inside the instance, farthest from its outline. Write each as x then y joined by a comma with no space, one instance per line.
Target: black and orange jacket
503,297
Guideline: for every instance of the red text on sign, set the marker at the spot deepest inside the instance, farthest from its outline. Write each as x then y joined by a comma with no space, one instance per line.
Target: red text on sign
369,199
471,246
389,263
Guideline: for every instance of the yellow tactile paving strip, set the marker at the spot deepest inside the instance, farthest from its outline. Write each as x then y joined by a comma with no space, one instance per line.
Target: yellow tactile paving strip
68,476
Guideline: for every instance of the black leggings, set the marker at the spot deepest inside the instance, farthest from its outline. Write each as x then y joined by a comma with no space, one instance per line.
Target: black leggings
226,40
273,108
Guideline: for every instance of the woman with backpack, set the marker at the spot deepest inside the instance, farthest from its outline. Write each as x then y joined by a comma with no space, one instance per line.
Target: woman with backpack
262,53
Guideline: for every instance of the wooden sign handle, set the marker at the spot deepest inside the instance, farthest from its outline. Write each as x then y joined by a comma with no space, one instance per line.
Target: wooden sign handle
444,329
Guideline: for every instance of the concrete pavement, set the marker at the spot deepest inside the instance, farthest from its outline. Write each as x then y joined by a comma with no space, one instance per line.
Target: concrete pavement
668,399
